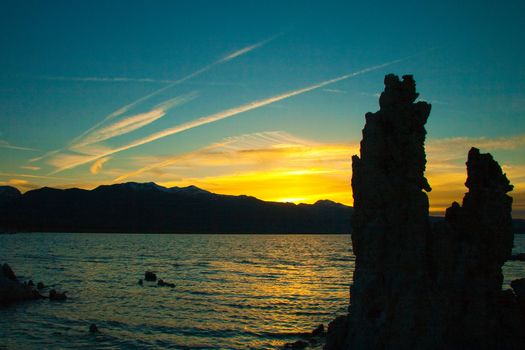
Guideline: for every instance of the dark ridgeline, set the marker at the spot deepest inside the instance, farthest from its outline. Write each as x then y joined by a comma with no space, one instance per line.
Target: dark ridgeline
147,207
419,285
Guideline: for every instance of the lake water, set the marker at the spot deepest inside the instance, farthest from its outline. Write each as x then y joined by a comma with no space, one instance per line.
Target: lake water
232,291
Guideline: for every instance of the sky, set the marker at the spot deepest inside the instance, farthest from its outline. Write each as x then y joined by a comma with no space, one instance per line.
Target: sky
263,98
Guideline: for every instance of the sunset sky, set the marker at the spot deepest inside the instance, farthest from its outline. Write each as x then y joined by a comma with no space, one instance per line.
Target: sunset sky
265,98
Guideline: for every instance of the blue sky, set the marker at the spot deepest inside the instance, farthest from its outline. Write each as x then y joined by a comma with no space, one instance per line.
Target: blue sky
65,66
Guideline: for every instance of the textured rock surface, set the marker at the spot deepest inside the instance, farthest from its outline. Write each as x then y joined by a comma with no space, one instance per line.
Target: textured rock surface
417,286
390,223
467,253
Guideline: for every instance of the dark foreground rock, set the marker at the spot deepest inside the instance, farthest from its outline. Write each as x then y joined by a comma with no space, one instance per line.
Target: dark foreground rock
12,290
57,296
517,257
162,283
519,288
150,276
299,344
417,285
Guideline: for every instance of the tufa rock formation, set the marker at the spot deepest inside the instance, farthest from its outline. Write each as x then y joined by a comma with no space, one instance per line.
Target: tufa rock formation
417,286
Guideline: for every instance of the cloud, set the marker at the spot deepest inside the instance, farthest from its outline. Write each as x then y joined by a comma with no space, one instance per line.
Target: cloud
132,123
22,185
97,166
5,144
282,167
446,169
29,167
198,72
335,91
31,176
230,151
272,165
111,79
247,49
223,115
120,111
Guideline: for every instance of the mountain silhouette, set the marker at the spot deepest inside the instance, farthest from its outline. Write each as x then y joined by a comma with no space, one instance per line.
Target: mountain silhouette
150,208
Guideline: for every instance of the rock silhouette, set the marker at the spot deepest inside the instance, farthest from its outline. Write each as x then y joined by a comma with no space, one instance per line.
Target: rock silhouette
417,285
162,283
57,296
12,290
150,276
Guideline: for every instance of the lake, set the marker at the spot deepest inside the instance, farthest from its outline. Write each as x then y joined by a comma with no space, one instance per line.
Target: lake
231,291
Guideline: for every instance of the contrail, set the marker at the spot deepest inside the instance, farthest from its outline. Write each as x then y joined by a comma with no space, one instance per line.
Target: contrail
134,122
127,107
224,114
32,176
5,144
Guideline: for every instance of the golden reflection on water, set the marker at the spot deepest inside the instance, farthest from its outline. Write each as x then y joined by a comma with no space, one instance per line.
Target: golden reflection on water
231,291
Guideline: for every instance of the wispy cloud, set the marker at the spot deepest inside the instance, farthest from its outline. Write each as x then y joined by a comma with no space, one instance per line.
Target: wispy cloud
298,169
224,114
97,166
335,91
111,79
132,123
30,167
90,145
303,170
124,109
245,149
21,184
198,72
32,176
5,144
247,49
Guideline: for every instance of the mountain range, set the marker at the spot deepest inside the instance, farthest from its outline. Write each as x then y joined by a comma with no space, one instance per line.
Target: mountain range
150,208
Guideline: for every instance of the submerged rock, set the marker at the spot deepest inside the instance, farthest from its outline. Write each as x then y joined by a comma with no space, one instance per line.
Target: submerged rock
162,283
517,257
7,272
519,288
299,344
57,296
337,333
93,328
11,290
318,331
40,285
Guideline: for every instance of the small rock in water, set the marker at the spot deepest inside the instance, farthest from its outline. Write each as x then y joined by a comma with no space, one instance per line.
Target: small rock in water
300,344
318,331
517,257
150,276
30,283
519,287
40,285
8,272
54,295
140,282
93,328
161,283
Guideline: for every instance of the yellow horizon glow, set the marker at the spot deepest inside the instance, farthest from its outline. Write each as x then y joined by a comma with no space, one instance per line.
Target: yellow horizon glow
279,167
